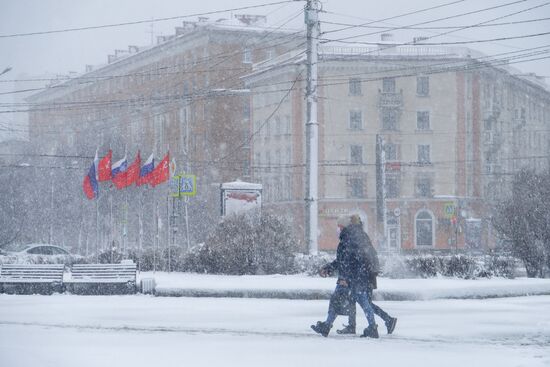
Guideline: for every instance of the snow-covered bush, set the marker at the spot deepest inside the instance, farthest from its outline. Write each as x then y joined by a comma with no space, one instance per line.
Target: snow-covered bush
394,267
424,266
459,266
310,264
249,243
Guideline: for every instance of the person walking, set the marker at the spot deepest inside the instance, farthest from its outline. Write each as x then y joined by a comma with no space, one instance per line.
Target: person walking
353,271
356,225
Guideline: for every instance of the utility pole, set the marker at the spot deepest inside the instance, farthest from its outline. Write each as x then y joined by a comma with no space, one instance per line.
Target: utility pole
312,126
381,211
52,215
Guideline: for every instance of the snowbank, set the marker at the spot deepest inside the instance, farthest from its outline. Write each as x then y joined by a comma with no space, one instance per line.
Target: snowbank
306,287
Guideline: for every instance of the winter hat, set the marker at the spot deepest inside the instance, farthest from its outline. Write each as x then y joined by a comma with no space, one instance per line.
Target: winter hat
343,221
356,219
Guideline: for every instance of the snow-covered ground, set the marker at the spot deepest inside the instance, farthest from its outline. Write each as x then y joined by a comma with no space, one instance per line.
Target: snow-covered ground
67,330
301,286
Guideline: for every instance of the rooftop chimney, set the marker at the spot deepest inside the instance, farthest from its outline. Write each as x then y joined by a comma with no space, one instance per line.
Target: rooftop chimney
386,37
250,19
419,39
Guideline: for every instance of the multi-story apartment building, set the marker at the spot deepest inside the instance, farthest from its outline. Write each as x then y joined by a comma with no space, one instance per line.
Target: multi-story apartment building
184,95
455,127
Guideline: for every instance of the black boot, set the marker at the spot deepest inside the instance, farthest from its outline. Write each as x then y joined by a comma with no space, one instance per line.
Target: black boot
322,328
390,324
371,332
348,329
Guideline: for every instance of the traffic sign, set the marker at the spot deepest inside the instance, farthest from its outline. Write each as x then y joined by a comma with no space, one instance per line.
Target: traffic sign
183,185
188,185
450,210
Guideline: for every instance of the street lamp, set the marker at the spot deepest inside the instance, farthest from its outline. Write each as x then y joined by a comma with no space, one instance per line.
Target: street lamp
6,70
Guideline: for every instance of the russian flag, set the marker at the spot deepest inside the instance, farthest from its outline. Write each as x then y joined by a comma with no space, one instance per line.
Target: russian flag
129,176
119,167
146,170
90,181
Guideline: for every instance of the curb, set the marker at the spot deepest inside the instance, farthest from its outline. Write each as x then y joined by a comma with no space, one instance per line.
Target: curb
315,294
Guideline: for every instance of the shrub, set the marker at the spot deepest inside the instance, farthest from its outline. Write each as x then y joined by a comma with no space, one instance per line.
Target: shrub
249,243
310,264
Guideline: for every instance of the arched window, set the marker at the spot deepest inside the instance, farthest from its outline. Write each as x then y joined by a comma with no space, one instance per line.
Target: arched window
424,228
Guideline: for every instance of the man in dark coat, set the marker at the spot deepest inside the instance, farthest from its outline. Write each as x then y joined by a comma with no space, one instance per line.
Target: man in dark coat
353,269
373,268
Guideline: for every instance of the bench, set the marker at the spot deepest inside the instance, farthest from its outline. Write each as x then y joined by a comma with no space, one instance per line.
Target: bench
102,278
31,278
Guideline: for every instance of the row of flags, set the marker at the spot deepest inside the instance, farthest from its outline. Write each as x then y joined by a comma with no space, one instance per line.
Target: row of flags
123,175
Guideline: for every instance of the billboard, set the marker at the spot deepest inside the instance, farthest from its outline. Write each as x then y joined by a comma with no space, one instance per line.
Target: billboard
240,196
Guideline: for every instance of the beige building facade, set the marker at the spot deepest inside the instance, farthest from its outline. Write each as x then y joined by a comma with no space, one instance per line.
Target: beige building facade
452,128
184,95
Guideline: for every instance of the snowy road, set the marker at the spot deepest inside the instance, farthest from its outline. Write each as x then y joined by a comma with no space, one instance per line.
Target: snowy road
65,330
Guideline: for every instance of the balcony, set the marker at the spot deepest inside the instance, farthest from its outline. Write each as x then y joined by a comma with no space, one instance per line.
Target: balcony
390,100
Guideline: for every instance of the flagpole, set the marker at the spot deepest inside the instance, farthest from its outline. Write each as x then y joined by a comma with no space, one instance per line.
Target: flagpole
156,236
168,228
97,229
125,227
112,239
140,220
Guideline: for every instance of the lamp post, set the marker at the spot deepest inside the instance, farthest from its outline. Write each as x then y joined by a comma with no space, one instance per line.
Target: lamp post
5,70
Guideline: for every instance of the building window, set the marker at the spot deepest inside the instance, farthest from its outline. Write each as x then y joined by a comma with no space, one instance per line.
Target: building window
389,119
288,187
287,124
356,154
422,86
388,85
356,187
267,161
392,186
423,226
424,154
159,122
355,87
423,120
355,120
277,125
246,110
390,151
424,187
247,56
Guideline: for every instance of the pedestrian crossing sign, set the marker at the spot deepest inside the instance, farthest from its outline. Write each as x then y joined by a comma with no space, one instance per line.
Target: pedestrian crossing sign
183,185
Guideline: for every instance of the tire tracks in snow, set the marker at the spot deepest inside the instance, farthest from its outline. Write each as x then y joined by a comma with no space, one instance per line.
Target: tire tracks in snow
516,340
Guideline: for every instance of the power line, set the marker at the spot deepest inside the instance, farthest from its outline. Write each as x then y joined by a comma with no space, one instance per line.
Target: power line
455,16
422,43
394,17
197,96
144,21
440,27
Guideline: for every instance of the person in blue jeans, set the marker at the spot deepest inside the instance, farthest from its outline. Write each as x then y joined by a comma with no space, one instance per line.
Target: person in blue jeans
372,257
354,270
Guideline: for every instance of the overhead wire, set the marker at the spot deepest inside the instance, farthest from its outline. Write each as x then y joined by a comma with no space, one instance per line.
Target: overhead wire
390,29
145,21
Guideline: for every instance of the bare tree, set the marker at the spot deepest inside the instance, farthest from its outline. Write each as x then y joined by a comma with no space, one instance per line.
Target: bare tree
522,220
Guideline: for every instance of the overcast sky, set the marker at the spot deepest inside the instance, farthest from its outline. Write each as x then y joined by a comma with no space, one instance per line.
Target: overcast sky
59,53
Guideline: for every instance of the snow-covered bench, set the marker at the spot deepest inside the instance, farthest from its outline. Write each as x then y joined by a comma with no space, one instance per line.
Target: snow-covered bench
31,278
102,278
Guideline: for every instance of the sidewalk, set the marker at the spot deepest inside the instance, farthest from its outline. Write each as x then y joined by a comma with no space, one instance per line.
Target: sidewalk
305,287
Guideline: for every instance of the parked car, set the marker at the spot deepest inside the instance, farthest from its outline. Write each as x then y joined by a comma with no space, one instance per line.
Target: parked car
35,249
